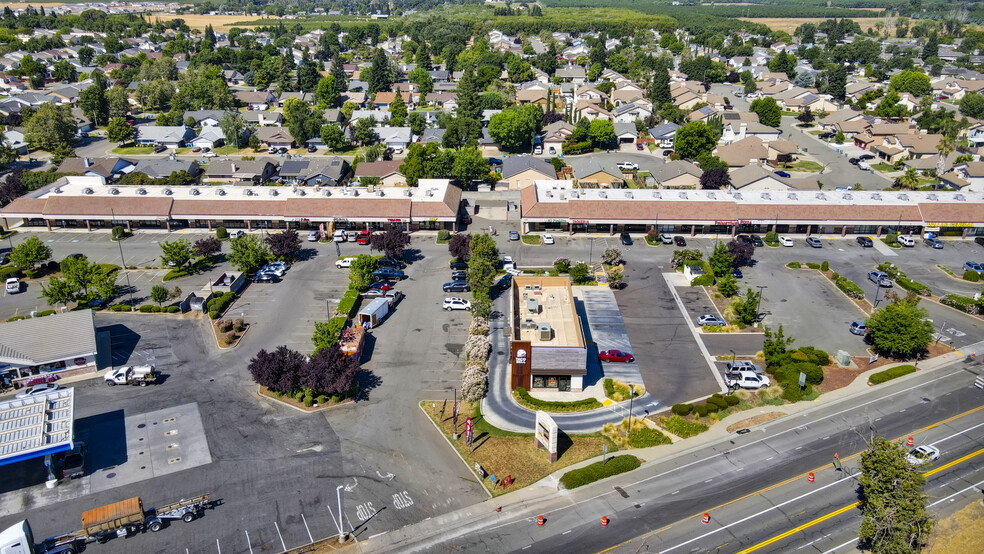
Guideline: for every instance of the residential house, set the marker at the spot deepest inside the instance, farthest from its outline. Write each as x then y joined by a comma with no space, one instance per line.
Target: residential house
275,137
967,176
958,88
15,139
593,172
532,95
588,110
521,171
333,171
256,100
629,113
263,119
249,172
737,131
395,137
109,168
663,134
677,174
387,171
204,118
432,135
159,168
383,99
554,136
627,93
572,73
919,146
209,137
590,94
742,152
785,149
378,115
625,132
170,136
702,114
756,177
975,135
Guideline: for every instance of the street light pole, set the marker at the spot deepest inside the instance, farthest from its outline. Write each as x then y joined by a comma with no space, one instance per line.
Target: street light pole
631,397
877,291
341,531
733,356
126,272
761,288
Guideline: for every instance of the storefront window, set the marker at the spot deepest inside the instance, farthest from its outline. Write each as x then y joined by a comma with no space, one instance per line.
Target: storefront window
537,382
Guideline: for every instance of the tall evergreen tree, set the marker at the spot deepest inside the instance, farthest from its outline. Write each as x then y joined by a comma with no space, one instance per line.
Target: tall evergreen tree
468,106
659,92
379,78
341,80
423,58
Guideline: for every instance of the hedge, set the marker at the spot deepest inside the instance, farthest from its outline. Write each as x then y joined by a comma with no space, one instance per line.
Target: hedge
889,374
962,303
574,406
682,427
825,266
644,438
599,470
705,280
908,284
850,288
173,309
10,271
812,265
219,302
444,235
794,265
346,306
972,276
682,409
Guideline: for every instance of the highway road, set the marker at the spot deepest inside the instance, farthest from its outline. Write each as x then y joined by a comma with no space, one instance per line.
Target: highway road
754,486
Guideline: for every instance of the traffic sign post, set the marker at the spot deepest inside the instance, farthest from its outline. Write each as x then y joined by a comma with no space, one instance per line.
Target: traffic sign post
604,454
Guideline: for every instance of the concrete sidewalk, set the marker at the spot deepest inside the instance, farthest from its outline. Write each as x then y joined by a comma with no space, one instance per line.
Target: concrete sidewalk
515,504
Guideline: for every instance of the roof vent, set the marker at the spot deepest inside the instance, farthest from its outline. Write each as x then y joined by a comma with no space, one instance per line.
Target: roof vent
931,197
220,192
114,191
167,192
821,196
408,193
575,194
792,196
736,195
379,193
195,192
300,192
549,194
848,196
683,195
429,192
711,195
903,197
628,194
141,191
273,192
959,197
657,195
326,192
602,194
766,196
58,190
876,196
87,190
248,192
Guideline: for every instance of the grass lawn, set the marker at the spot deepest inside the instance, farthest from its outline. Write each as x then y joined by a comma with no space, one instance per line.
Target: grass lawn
816,132
502,453
924,181
531,239
884,168
805,165
133,150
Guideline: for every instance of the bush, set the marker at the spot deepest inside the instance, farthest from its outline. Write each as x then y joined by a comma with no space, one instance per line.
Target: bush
908,284
173,309
644,438
717,400
308,402
119,233
444,235
44,313
771,237
850,288
705,280
825,266
321,399
221,233
32,273
835,276
220,302
239,325
701,411
121,307
299,396
732,400
156,309
10,271
609,388
962,303
682,409
681,427
598,470
814,374
794,265
812,265
146,308
711,408
574,406
972,276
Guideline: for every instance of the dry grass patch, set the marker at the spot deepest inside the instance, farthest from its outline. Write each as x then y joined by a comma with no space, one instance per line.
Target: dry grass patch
224,22
960,532
753,421
789,24
502,453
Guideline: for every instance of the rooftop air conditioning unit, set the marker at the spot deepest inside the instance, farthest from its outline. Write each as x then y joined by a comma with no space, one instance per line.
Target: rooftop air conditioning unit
821,196
527,324
876,196
429,192
408,193
87,190
931,197
602,194
220,192
273,192
58,190
195,192
848,196
792,196
247,192
532,306
544,331
904,197
114,191
379,193
167,192
628,194
959,197
301,192
549,194
141,191
657,195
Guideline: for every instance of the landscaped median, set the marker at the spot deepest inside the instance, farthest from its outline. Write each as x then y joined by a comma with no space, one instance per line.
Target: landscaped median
524,399
599,470
506,454
891,373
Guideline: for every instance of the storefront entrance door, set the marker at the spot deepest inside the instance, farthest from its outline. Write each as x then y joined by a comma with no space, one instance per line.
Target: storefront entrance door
564,384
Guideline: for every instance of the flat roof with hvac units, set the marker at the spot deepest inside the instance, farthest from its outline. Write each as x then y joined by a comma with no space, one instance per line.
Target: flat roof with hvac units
36,426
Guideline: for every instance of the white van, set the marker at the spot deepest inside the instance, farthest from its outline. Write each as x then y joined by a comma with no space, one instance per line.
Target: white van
906,240
338,236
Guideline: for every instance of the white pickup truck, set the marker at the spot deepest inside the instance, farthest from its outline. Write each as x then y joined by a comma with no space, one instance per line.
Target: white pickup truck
141,375
747,380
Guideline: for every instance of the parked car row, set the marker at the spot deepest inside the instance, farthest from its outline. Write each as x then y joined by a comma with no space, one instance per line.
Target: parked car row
271,272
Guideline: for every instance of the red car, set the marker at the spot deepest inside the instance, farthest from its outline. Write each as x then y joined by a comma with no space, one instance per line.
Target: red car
616,356
381,285
640,146
363,238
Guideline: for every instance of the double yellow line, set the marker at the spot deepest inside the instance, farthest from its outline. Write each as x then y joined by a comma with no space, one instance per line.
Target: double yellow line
840,511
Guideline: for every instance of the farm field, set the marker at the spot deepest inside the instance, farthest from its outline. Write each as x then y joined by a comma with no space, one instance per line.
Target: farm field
789,24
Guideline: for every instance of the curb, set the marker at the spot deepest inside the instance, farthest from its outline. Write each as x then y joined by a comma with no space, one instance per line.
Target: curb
293,407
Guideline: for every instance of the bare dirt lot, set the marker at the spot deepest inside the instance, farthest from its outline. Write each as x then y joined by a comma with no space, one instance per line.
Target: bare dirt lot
789,24
218,22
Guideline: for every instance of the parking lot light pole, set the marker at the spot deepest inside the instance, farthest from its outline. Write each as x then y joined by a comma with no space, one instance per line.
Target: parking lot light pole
126,272
341,530
877,291
761,288
733,355
631,396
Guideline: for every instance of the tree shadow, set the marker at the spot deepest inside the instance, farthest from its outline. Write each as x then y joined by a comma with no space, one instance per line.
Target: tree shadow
411,255
306,254
367,381
367,348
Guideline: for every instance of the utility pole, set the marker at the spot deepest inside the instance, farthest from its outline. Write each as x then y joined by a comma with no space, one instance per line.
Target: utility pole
126,271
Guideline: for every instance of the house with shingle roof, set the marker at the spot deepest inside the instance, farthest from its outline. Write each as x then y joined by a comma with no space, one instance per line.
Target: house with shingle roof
521,171
742,152
240,171
170,136
678,174
755,177
109,168
275,137
592,172
159,168
332,171
387,171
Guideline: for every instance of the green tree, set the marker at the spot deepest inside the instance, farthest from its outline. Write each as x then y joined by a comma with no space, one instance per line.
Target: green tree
893,505
768,111
248,253
579,272
908,180
900,330
417,123
482,266
728,285
80,276
232,125
774,346
414,166
972,105
422,58
911,81
58,291
748,80
93,102
889,107
30,253
117,101
659,91
301,119
398,110
721,261
602,133
175,253
694,139
50,127
365,131
469,165
467,88
747,309
837,82
422,79
159,294
839,138
120,131
328,94
513,128
360,272
333,136
380,74
7,153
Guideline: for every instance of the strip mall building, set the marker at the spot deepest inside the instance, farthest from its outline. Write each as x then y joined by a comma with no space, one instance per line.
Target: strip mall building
546,206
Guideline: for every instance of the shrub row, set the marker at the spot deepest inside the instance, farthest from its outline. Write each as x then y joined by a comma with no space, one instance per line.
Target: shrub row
962,303
10,271
346,306
574,406
444,235
705,280
849,287
889,374
794,265
681,427
908,284
714,403
598,470
812,265
219,302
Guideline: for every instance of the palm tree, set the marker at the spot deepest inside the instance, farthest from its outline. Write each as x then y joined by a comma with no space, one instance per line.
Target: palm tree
908,180
946,145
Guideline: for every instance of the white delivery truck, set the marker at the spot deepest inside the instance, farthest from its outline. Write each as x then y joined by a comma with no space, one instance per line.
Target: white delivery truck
141,375
373,314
